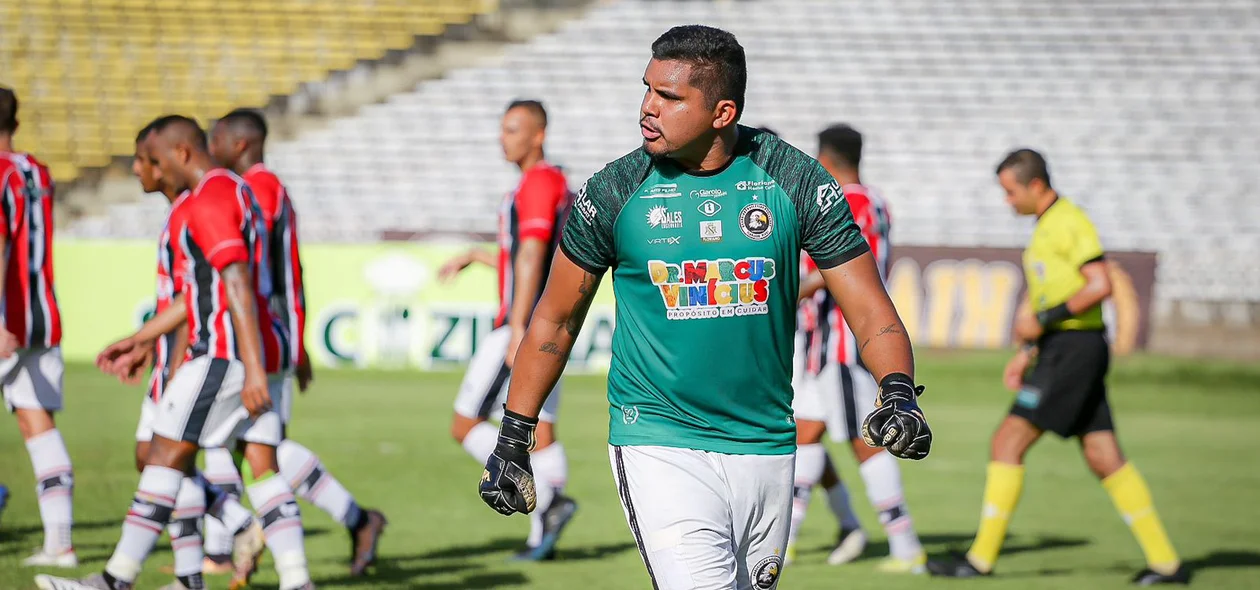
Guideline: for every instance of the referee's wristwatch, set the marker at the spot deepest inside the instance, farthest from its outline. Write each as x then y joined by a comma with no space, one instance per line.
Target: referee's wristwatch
1054,315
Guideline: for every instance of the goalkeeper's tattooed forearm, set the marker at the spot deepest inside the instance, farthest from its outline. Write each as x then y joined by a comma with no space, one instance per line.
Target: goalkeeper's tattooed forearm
892,328
586,293
551,348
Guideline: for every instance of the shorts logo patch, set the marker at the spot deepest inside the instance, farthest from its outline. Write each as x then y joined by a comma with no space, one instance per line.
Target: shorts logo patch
1029,397
755,221
629,414
766,572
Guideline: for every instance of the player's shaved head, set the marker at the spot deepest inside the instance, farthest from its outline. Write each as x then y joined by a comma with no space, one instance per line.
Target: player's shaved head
8,110
533,107
1027,165
245,123
178,130
718,65
238,138
841,143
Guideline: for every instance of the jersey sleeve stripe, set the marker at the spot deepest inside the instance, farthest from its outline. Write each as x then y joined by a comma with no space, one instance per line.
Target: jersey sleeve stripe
843,257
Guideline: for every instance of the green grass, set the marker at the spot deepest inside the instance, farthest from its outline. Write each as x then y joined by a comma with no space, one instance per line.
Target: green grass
1189,425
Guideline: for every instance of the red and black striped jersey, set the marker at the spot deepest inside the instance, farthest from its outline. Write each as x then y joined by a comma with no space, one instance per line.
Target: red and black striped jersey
535,210
223,225
166,272
870,211
807,317
288,297
30,301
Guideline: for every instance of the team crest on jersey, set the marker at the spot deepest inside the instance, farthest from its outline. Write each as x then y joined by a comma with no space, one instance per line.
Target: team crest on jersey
755,221
766,573
660,217
701,289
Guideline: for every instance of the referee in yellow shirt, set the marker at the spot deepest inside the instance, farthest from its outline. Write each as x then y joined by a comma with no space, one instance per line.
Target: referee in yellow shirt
1066,392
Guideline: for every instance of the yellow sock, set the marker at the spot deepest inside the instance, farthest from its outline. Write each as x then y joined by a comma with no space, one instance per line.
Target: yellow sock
1001,493
1133,500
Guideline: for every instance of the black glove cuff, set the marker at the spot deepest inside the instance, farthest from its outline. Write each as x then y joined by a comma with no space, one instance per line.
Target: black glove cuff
898,386
1054,315
517,431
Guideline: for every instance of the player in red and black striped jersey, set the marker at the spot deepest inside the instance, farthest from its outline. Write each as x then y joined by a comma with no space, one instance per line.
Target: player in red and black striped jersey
237,142
842,392
530,219
221,394
30,334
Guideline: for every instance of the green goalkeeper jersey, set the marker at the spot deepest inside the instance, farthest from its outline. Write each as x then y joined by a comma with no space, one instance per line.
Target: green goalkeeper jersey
705,281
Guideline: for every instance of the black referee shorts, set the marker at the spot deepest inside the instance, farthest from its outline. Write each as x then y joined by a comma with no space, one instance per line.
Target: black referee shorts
1066,393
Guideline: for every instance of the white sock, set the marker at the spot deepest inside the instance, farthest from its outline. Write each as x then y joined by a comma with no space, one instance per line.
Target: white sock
308,477
150,511
838,500
481,440
54,483
810,460
551,474
282,526
883,487
185,531
221,471
223,506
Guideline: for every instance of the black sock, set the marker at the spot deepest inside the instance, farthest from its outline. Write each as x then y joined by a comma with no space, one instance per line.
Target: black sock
114,583
225,558
193,582
359,522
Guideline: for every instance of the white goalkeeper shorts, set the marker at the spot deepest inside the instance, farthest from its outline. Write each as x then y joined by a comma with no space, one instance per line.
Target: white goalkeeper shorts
703,520
32,379
484,389
202,404
841,396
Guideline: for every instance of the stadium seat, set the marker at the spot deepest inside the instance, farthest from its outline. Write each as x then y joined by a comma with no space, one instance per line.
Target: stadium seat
196,57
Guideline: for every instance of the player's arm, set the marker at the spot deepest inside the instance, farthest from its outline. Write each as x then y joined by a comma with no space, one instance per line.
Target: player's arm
462,260
527,281
834,240
127,357
536,203
556,322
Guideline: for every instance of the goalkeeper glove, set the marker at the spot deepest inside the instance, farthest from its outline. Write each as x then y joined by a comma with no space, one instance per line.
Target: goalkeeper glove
507,484
897,423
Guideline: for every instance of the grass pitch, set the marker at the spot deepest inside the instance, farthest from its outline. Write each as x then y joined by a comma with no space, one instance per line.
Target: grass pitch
1190,426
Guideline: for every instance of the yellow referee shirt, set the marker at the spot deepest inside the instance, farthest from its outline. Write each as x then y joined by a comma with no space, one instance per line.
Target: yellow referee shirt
1063,241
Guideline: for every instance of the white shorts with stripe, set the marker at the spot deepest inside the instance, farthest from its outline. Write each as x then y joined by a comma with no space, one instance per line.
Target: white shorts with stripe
704,520
202,404
32,379
840,395
144,428
484,389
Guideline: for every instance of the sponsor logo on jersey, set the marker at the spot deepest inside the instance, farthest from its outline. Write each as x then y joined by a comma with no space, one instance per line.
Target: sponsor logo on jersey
662,191
707,192
709,208
660,217
754,185
585,207
755,221
668,240
710,231
629,414
828,196
698,289
766,572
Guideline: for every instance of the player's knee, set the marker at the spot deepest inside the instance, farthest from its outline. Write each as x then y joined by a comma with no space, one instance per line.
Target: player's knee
1012,440
862,451
172,454
142,455
261,460
32,423
809,432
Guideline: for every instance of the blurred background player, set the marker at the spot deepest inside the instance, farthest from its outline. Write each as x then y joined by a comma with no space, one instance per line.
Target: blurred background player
702,445
237,142
223,509
530,220
1066,392
844,391
220,394
30,354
